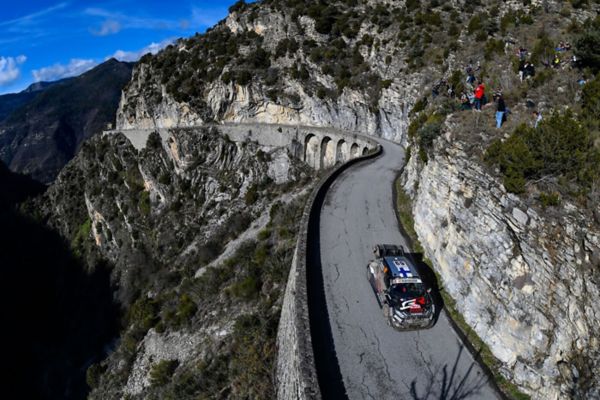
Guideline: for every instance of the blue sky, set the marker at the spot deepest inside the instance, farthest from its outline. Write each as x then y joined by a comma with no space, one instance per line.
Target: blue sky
47,40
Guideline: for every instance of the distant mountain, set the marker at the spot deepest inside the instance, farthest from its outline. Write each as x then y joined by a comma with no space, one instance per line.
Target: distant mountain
42,127
39,86
12,101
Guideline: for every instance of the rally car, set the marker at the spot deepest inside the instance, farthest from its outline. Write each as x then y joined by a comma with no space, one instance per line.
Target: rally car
403,296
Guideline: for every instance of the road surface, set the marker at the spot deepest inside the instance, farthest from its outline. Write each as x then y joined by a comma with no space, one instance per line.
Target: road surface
375,361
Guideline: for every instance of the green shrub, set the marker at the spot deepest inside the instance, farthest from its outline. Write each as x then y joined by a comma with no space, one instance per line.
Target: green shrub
579,3
549,199
251,195
475,24
493,46
93,374
430,130
456,81
590,99
83,233
587,48
247,289
154,141
238,6
507,20
453,30
243,77
419,105
543,50
162,371
186,308
560,148
542,77
164,178
143,313
144,203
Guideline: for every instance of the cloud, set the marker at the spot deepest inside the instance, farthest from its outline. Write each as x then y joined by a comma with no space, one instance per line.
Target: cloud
153,48
9,69
129,21
31,18
76,66
108,27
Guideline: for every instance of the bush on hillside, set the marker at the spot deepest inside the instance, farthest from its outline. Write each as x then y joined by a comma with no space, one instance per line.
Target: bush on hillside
239,5
560,149
590,100
587,47
161,372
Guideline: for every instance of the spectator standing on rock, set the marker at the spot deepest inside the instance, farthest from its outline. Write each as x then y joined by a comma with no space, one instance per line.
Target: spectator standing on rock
500,109
479,95
522,65
538,118
529,70
522,53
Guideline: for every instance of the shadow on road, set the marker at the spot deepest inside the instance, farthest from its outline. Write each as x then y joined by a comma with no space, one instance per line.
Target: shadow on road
329,375
430,280
443,382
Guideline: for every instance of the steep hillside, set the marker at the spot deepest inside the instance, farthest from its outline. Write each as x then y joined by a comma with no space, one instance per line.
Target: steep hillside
192,327
60,316
397,70
509,216
43,129
521,266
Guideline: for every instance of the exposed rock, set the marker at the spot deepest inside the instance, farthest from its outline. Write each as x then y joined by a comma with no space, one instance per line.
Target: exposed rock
523,280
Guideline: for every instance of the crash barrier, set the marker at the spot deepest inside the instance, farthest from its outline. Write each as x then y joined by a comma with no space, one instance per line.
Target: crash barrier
306,363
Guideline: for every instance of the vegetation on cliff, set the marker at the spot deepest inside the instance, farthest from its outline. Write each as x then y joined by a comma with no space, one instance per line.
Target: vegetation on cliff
162,215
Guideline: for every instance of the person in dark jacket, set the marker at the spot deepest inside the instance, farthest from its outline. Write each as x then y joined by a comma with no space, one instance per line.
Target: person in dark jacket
500,110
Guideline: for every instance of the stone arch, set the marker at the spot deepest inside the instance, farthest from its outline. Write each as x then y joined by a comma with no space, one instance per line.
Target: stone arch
354,149
311,150
365,150
327,152
342,153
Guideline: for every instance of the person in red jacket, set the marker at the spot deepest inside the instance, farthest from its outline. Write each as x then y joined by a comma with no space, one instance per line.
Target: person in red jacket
479,95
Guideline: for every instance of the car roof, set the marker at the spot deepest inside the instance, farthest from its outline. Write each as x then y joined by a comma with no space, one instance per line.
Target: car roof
401,267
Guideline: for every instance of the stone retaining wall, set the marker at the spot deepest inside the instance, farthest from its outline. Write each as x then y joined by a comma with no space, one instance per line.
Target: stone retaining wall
296,370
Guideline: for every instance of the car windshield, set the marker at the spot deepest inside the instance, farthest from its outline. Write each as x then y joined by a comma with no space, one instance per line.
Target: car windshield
407,290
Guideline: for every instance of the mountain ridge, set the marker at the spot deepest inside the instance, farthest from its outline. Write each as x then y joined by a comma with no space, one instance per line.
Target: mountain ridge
44,126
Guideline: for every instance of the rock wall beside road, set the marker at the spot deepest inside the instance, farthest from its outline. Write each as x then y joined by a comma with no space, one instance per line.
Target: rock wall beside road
296,371
526,280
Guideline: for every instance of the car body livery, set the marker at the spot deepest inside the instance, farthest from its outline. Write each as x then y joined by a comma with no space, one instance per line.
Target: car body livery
401,293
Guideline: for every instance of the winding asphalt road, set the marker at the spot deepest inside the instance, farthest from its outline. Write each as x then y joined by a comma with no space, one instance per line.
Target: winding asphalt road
375,361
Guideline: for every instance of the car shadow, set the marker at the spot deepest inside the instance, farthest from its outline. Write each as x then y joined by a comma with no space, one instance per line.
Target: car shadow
430,279
444,382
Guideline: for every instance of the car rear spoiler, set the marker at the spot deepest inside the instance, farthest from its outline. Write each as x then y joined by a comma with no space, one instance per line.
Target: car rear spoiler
385,250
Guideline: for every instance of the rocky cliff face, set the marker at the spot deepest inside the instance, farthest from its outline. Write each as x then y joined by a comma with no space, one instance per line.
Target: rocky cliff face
160,216
524,278
288,85
200,324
